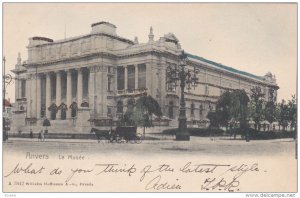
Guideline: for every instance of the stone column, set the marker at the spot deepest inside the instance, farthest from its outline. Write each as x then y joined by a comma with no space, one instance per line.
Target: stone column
136,77
58,93
38,97
79,88
69,92
92,82
48,95
125,78
28,95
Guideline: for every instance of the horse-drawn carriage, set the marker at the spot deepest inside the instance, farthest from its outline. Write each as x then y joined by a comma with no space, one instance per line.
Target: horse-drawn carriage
118,134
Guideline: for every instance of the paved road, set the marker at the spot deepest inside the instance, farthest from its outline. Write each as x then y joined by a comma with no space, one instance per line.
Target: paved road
197,146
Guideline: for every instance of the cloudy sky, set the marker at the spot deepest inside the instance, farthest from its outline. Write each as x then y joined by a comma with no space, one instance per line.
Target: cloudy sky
256,38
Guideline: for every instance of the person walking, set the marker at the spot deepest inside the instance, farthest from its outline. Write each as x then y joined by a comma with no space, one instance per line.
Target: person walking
31,134
42,135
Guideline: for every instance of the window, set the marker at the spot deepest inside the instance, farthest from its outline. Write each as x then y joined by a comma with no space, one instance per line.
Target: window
142,76
63,85
74,85
53,87
131,77
73,108
171,113
53,114
120,107
85,82
23,88
120,78
63,114
201,110
73,113
43,110
109,83
109,114
192,109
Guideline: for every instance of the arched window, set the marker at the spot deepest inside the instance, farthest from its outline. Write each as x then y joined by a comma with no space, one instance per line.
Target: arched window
73,108
73,113
53,110
63,114
53,114
63,107
192,109
120,107
170,111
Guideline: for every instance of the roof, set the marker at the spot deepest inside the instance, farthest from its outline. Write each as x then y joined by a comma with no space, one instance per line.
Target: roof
230,69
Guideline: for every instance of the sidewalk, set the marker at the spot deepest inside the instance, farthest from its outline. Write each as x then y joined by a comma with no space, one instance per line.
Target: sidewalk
221,140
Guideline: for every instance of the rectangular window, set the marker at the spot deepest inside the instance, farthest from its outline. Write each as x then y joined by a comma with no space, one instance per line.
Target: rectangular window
108,111
142,76
85,83
53,88
63,85
74,85
23,88
130,77
120,78
109,83
110,70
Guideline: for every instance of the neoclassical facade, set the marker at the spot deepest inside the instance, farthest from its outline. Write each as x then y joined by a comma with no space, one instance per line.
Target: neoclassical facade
91,77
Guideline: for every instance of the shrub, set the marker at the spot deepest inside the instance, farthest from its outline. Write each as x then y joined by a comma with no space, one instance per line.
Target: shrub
262,135
200,132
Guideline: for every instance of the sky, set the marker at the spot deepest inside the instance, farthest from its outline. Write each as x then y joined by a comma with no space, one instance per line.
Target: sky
252,37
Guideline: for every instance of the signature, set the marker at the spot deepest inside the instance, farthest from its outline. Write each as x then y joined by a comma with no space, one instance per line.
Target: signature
156,184
230,185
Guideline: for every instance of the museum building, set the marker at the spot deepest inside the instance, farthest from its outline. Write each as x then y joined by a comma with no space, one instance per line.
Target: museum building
80,81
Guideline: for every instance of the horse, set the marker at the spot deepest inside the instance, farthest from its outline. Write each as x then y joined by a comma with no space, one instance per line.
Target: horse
101,134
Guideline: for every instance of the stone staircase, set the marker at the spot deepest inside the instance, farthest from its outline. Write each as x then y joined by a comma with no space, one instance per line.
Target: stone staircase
57,126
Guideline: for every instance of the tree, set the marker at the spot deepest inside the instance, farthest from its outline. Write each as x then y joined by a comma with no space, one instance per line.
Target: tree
243,108
292,108
140,113
283,114
270,108
128,116
239,110
214,119
231,106
223,109
256,106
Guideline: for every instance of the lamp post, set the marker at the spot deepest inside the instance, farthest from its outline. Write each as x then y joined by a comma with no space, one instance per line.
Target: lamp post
7,78
186,79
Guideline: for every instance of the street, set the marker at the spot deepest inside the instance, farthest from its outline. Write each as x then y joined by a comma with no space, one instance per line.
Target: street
197,146
104,166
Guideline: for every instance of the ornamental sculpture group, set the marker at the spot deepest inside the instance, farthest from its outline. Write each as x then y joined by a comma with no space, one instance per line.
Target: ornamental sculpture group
185,78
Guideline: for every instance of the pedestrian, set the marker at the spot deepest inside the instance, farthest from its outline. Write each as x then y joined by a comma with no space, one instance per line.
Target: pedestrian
42,135
31,134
